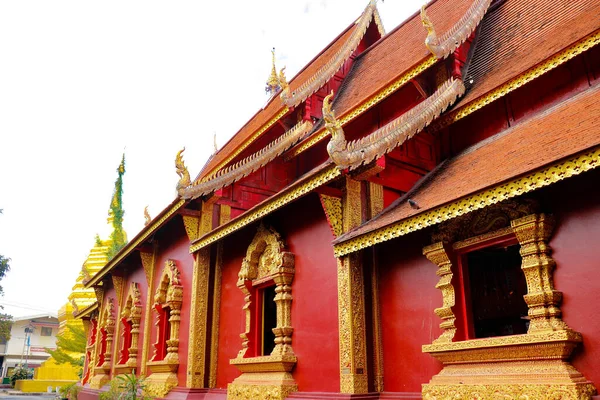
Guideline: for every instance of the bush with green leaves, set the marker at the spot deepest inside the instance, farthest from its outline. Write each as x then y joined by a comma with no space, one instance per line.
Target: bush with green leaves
126,387
70,392
19,373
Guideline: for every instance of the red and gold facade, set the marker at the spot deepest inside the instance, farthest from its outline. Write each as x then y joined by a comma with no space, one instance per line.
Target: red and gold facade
412,216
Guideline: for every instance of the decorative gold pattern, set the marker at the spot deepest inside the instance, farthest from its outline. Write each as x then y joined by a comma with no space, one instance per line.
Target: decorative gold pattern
192,225
273,80
366,105
516,187
107,324
333,211
118,283
131,246
377,19
327,71
148,262
198,319
278,201
243,147
535,72
351,307
486,367
437,254
443,46
508,391
182,171
266,258
249,164
383,140
132,312
214,337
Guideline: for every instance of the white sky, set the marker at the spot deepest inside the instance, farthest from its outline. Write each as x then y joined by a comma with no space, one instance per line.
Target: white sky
81,81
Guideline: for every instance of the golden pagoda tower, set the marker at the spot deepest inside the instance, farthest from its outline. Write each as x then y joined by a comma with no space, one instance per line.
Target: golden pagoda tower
50,373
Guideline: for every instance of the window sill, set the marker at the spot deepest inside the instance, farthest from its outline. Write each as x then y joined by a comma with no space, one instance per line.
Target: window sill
121,369
272,363
162,366
543,345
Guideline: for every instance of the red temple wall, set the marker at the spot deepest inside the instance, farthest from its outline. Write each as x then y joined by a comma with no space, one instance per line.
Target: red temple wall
575,205
304,228
174,244
408,297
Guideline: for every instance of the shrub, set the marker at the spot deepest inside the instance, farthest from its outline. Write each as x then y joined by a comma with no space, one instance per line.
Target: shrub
70,392
19,373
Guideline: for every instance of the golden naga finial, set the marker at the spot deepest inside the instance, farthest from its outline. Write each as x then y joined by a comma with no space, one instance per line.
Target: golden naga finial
215,142
431,39
273,81
147,217
182,171
337,144
283,83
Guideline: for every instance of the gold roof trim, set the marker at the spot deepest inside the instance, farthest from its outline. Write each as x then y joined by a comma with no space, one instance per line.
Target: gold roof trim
534,72
385,139
547,176
244,146
445,44
326,72
366,105
139,239
279,200
86,311
249,164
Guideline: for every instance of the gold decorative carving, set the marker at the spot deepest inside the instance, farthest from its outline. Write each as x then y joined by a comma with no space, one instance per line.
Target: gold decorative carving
225,214
366,105
132,312
148,264
570,167
214,337
333,211
192,226
375,199
182,171
351,307
377,19
245,145
327,71
266,258
385,139
101,373
159,384
533,233
437,254
118,282
273,81
276,202
147,218
520,364
131,246
199,319
168,293
534,72
443,46
249,164
99,292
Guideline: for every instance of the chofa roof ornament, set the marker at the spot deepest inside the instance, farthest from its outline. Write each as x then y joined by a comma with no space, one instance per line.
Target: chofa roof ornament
182,171
442,46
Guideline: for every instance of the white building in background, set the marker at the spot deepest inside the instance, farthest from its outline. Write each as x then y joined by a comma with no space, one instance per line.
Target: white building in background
29,336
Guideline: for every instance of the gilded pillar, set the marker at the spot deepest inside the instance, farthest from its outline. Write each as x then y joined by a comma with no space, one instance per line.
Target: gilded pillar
148,261
197,356
118,282
543,300
351,306
437,253
375,207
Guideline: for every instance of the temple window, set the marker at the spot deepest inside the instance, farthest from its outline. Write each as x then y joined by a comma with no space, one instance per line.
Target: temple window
266,358
130,319
89,349
102,347
493,286
167,304
501,317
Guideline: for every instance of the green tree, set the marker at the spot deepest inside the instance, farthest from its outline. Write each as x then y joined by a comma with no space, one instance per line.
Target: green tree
5,319
70,346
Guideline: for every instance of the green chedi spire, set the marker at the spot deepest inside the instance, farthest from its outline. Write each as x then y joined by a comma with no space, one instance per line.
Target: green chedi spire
118,237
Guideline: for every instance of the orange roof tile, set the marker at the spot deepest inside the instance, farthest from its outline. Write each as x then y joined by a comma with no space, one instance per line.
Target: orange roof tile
516,36
561,131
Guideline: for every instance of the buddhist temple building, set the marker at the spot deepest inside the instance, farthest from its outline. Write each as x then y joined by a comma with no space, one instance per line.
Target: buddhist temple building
414,215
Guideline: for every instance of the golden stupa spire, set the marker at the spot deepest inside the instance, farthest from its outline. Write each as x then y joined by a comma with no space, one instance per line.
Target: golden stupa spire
273,85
